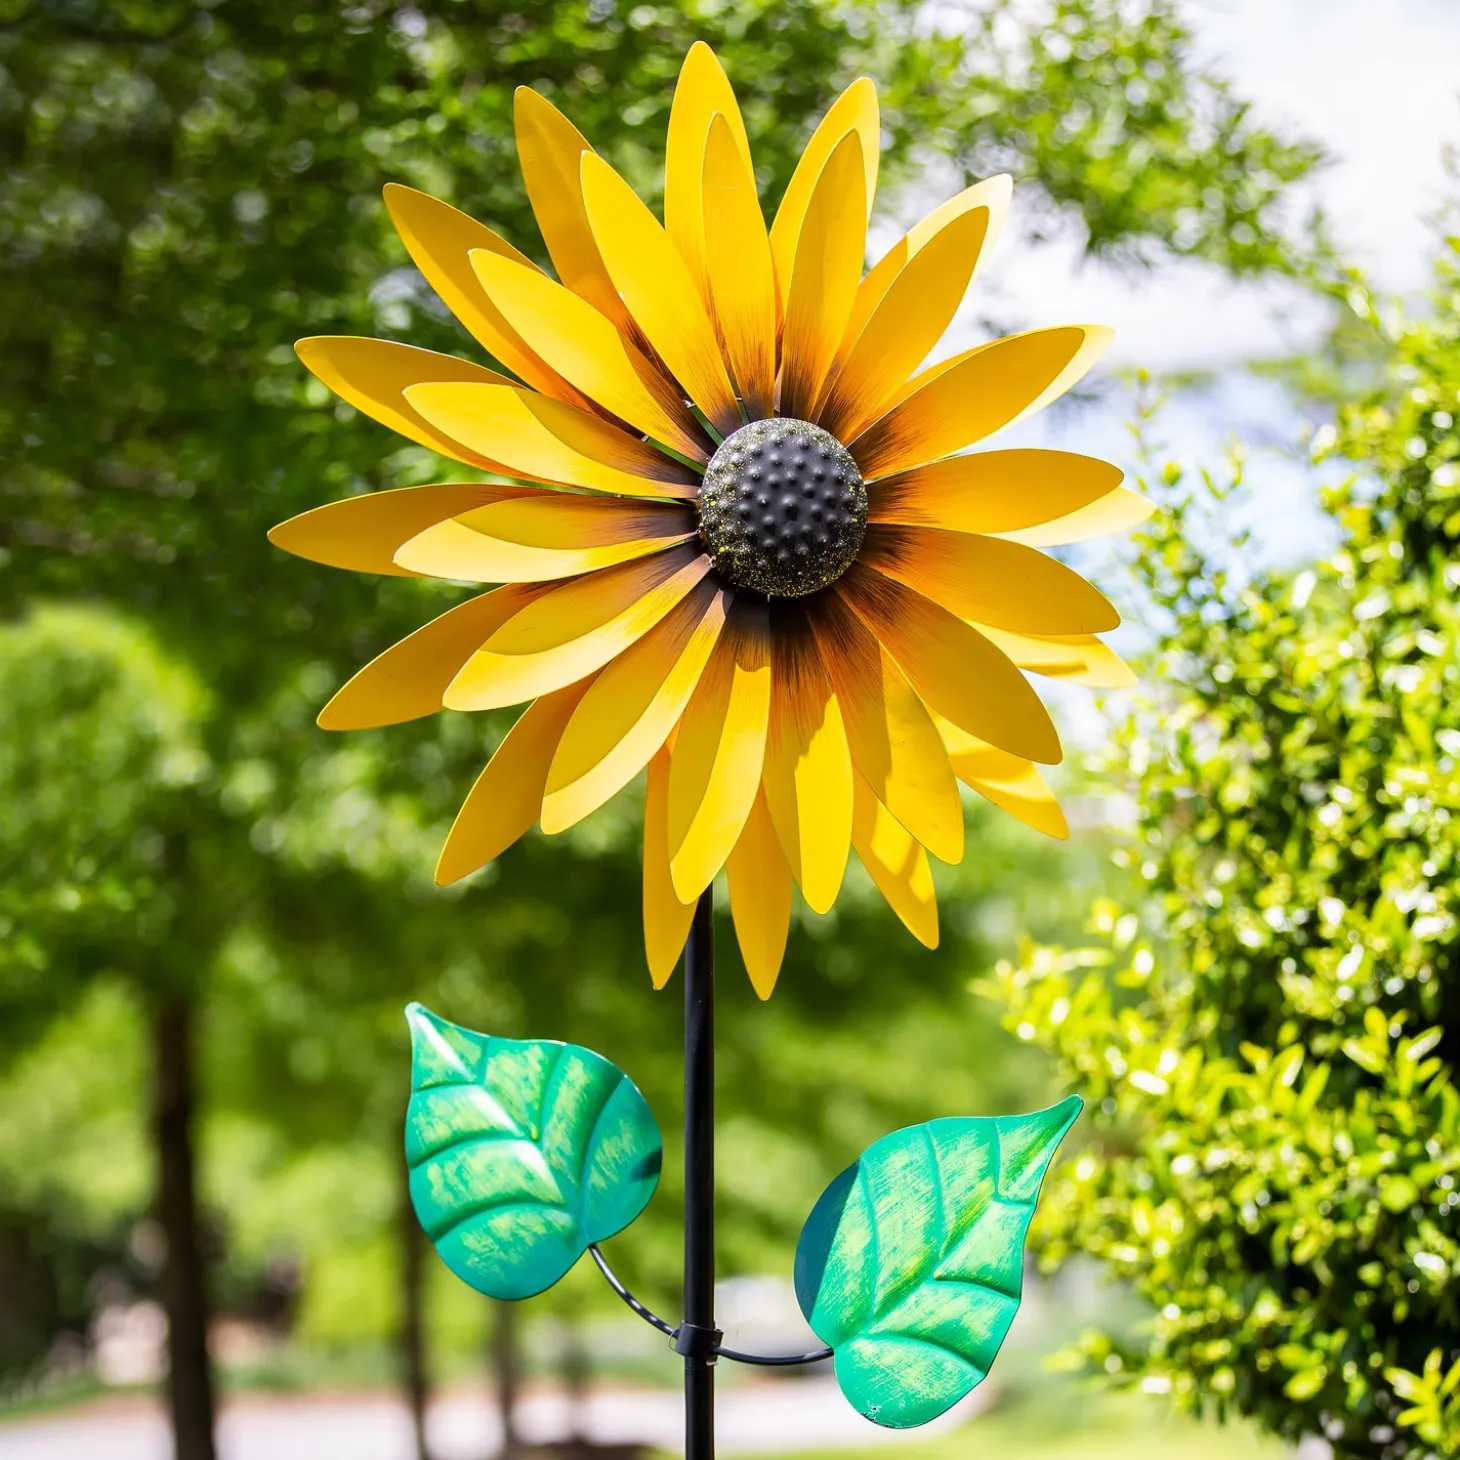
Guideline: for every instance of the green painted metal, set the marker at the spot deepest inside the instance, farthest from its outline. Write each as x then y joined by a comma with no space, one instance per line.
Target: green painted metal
521,1152
911,1264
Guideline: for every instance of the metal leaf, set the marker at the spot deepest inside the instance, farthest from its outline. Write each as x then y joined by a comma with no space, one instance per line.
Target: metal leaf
910,1266
521,1152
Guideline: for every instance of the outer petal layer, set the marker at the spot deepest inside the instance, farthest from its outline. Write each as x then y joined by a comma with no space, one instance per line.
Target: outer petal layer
1010,782
897,864
362,533
507,797
666,918
1116,511
760,898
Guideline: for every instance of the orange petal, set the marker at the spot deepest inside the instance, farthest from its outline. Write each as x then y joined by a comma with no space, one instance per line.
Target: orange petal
855,110
893,740
373,375
507,797
544,536
660,293
954,668
702,91
585,348
567,630
760,898
1080,658
991,387
550,153
906,324
823,280
808,768
632,708
1012,783
666,919
719,751
546,440
440,239
362,533
738,261
897,864
993,491
990,581
1116,511
411,677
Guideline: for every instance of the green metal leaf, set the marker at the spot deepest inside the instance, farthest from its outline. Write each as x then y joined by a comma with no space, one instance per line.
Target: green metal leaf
521,1153
911,1264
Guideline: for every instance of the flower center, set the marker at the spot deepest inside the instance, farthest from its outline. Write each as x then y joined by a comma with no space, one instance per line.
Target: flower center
782,510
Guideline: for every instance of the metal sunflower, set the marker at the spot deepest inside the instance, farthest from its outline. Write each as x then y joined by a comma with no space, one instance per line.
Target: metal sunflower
738,544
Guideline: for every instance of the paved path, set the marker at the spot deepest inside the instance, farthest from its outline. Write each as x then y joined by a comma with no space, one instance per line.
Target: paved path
754,1418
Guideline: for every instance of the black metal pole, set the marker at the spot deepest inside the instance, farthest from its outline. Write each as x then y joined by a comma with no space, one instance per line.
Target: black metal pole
698,1337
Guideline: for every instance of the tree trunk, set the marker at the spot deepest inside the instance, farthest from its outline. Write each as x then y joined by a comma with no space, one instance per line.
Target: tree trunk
505,1375
183,1287
412,1327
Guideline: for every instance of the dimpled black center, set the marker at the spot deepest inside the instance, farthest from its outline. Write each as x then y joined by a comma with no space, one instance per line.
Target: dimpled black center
782,510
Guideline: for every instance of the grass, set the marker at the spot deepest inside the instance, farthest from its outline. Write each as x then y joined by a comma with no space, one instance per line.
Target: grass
1124,1429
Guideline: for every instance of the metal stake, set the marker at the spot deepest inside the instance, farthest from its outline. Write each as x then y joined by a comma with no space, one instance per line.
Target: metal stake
697,1338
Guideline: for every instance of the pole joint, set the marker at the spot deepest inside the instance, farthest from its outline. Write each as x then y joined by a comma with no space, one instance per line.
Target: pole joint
697,1343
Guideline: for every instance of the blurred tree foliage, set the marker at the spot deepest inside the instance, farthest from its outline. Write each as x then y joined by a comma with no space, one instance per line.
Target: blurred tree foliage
1270,1039
188,188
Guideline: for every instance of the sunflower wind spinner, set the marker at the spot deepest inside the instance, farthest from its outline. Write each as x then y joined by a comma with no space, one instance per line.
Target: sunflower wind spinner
743,546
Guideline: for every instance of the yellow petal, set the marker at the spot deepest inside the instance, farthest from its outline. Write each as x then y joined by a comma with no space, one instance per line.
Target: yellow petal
507,797
738,261
362,533
585,348
893,740
410,678
659,292
567,630
990,581
666,918
855,110
917,308
1012,783
439,239
1116,511
760,898
991,388
546,440
993,491
373,375
530,539
720,750
808,767
954,668
550,153
897,864
702,91
1080,658
823,281
633,706
991,195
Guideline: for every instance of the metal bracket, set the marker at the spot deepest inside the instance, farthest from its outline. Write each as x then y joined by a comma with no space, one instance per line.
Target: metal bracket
695,1342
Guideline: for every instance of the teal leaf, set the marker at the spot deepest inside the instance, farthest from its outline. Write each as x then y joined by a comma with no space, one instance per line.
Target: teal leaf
911,1265
521,1152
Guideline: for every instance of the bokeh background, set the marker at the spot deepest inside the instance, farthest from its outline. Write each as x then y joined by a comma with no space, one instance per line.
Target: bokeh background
211,913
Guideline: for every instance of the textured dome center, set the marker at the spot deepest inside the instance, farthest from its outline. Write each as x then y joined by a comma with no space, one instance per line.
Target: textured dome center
782,510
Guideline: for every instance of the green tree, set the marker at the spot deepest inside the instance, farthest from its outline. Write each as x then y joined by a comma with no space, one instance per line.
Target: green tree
1269,1035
